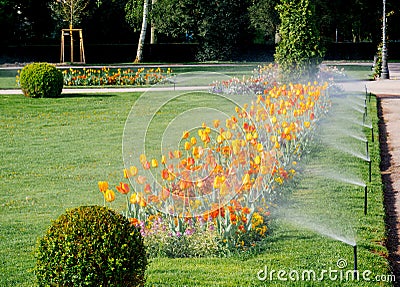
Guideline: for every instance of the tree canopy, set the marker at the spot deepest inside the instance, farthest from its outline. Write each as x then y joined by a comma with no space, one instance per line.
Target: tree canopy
220,27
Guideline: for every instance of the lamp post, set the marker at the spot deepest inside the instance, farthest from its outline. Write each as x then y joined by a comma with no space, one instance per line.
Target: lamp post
385,68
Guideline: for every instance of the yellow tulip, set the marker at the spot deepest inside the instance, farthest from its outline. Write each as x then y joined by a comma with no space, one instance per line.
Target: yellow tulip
109,195
103,185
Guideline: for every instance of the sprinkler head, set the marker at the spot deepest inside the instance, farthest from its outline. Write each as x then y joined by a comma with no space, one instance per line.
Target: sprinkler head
372,134
370,169
355,261
366,149
365,200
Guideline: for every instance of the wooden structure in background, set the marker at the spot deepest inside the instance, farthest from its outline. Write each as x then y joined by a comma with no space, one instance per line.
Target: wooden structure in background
69,32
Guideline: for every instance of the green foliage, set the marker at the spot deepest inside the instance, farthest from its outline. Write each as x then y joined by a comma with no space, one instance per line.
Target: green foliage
91,246
41,80
264,17
69,11
299,52
176,17
134,14
378,63
202,243
223,29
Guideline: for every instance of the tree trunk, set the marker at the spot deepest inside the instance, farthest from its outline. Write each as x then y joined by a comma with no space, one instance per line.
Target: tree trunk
153,38
142,37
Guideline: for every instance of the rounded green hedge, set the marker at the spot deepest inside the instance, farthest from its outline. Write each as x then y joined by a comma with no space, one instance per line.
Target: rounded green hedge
91,246
41,80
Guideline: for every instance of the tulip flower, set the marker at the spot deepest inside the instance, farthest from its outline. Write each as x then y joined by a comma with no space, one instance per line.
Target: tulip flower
103,186
123,188
109,195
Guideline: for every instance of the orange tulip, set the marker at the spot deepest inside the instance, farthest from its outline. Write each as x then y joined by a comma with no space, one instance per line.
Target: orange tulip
165,174
123,188
185,135
246,210
134,221
147,188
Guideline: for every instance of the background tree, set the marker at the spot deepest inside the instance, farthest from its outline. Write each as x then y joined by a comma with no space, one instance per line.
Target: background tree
24,21
106,23
179,20
220,27
264,18
299,52
70,11
136,10
224,29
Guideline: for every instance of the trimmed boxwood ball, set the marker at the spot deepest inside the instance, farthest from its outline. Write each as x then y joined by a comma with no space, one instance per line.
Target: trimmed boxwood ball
91,246
41,80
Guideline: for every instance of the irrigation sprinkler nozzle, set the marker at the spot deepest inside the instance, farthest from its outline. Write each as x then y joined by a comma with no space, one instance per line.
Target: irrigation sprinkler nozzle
372,134
365,199
355,261
370,169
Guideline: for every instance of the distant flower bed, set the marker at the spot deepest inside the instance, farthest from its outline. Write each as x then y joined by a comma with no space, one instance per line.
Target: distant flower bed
119,77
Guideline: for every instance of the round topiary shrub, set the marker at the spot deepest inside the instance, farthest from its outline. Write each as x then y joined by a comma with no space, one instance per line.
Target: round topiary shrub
41,80
91,246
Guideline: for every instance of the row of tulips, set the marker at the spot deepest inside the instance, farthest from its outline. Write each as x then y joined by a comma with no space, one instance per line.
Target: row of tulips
226,174
119,77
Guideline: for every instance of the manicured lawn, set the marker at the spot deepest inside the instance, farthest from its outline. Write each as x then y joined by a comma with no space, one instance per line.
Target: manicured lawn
55,150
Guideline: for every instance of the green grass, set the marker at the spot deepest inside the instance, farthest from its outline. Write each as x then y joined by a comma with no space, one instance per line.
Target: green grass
55,150
7,79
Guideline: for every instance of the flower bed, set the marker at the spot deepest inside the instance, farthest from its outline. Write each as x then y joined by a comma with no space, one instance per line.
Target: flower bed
218,186
119,77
